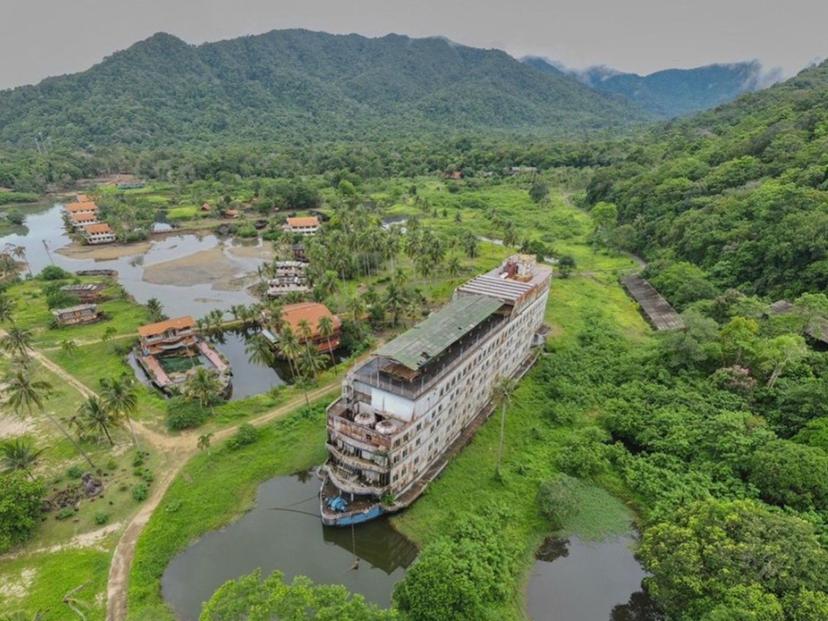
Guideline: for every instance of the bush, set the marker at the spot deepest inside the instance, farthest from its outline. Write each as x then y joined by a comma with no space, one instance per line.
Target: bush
140,492
459,577
245,434
101,518
183,414
65,513
53,272
74,472
111,464
558,499
21,501
584,455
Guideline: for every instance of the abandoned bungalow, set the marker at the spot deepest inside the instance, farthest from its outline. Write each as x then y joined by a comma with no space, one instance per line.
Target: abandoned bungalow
81,207
82,219
100,233
416,402
295,316
85,292
290,277
170,350
77,315
302,225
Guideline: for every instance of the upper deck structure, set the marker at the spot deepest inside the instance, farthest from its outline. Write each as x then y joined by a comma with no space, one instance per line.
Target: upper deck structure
419,398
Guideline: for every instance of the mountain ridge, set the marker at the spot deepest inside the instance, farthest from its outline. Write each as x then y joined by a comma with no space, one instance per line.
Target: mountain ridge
671,93
299,83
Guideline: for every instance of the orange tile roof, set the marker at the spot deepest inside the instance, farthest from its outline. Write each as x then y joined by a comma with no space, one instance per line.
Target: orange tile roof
179,323
78,218
82,198
302,221
101,227
311,312
82,206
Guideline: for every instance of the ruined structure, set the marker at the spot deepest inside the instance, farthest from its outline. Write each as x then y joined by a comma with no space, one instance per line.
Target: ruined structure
290,277
412,406
76,315
170,350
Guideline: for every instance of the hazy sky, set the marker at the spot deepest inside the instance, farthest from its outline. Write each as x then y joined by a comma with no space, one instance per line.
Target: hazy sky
39,38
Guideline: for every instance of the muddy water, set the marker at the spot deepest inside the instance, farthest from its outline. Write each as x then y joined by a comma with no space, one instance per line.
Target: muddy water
283,532
248,378
45,235
576,580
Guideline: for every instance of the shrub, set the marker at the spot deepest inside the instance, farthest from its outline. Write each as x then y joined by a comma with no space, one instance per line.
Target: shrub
53,272
74,472
65,513
558,499
101,518
21,500
111,464
245,434
140,492
183,414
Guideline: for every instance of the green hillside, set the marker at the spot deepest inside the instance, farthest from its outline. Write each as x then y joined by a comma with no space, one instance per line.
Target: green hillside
741,191
296,84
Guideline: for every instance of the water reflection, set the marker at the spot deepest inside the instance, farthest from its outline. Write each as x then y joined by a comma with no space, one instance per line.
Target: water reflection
248,378
576,580
283,531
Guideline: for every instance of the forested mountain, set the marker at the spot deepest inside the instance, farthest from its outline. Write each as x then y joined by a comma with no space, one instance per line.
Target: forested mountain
736,197
672,92
294,84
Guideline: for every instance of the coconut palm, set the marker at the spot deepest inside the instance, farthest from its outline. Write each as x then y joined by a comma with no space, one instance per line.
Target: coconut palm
356,306
503,390
19,252
204,442
290,347
93,420
259,351
311,363
326,331
203,387
120,396
6,309
454,266
155,309
25,396
17,342
19,454
68,347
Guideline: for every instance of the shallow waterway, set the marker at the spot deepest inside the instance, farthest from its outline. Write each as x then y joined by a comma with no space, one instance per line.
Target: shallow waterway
283,532
217,276
577,580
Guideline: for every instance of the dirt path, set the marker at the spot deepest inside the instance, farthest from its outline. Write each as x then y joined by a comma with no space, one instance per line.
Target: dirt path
178,450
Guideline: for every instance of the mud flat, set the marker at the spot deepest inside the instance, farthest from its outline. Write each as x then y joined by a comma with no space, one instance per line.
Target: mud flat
108,252
206,267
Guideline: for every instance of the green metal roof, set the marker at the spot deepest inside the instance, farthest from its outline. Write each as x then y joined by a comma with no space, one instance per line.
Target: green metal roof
440,330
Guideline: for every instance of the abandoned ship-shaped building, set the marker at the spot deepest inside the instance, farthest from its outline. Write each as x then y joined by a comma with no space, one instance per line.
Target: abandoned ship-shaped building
413,405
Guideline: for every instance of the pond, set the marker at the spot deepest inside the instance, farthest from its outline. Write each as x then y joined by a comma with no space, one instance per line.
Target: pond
578,580
189,273
248,378
283,531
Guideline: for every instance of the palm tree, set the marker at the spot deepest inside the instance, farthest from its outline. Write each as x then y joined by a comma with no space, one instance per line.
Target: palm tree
19,454
259,351
6,309
203,387
155,309
20,253
290,347
326,331
25,396
204,442
68,347
396,300
311,363
17,342
120,396
502,396
356,306
454,266
94,419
